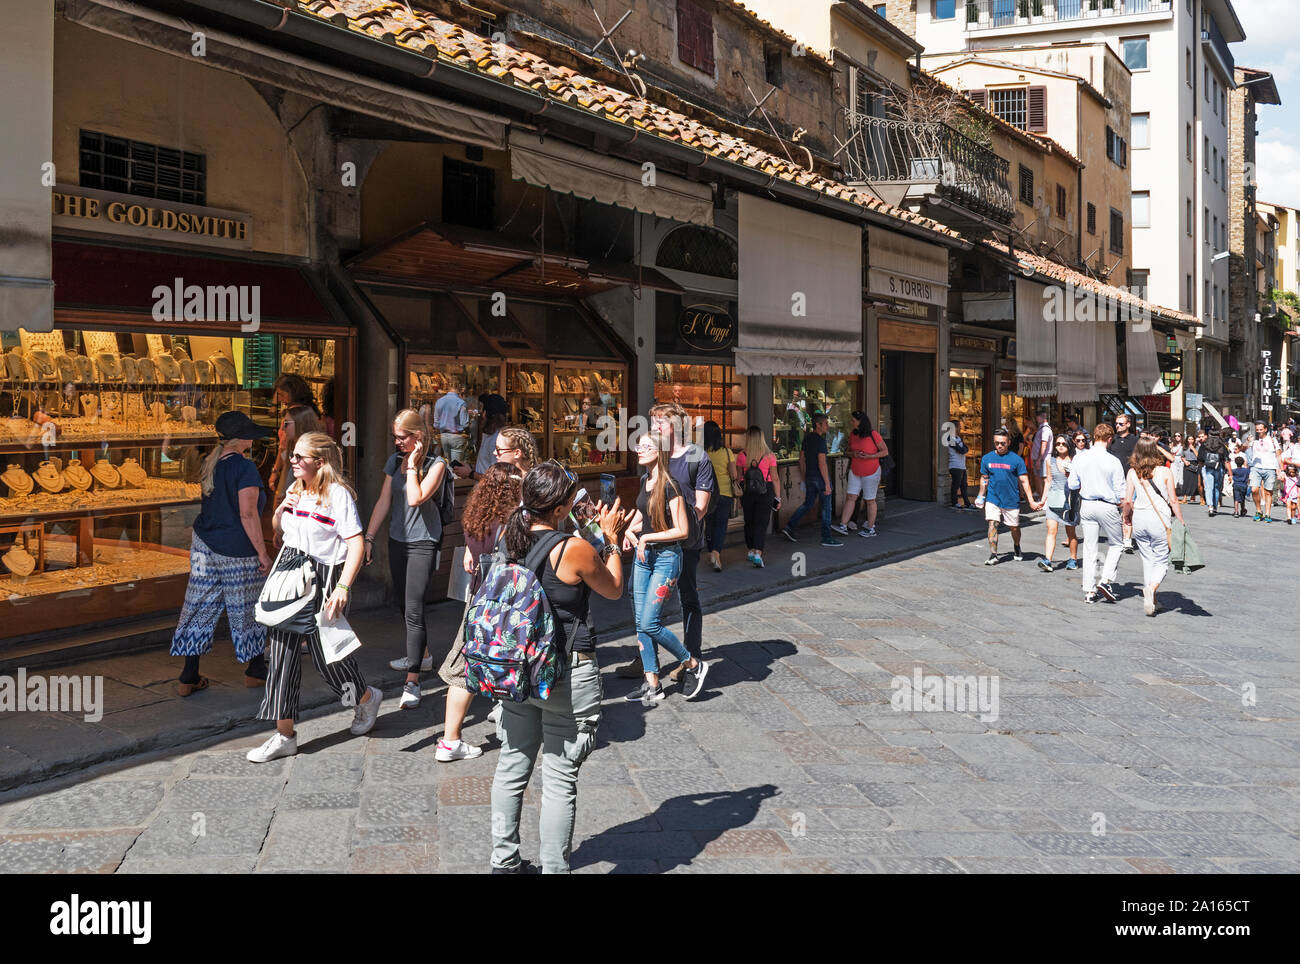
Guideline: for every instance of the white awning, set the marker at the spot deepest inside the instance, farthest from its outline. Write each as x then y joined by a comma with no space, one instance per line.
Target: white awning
903,268
1107,357
1143,368
1035,341
1076,340
800,292
1214,412
566,169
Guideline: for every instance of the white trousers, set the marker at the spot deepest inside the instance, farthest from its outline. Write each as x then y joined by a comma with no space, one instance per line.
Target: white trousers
1152,545
1095,520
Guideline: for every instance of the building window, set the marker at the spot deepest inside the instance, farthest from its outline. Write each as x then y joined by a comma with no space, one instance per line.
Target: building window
110,163
1134,50
1223,173
1205,85
880,10
772,65
695,36
1189,217
1223,107
1205,148
1116,232
468,194
1214,167
1026,186
945,9
1011,105
1215,235
1189,142
1190,304
1092,218
1205,229
1205,299
1141,209
1060,201
1140,132
1138,282
1116,147
1189,66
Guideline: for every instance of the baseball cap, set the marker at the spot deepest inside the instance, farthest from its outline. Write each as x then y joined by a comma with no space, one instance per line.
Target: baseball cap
237,425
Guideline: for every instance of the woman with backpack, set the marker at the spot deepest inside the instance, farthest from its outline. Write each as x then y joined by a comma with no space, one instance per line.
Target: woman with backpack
563,726
759,496
496,495
866,449
413,479
321,527
658,529
725,475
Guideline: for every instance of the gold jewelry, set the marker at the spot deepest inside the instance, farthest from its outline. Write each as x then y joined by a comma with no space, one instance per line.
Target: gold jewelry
19,561
19,482
48,477
77,475
106,474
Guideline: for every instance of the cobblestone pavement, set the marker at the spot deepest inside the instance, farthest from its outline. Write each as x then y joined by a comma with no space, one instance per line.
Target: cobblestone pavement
795,760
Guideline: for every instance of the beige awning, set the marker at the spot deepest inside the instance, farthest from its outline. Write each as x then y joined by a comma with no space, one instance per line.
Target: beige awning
1035,341
904,268
1143,368
800,292
566,169
1107,360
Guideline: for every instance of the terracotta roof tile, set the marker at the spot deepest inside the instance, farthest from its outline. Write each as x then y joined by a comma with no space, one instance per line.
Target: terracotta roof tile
428,35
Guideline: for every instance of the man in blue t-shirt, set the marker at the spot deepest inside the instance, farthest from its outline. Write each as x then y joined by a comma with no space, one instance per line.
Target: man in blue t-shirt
1000,471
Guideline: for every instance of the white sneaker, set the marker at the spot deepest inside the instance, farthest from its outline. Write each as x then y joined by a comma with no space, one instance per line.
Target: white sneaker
1148,601
410,697
842,530
494,715
274,748
403,664
853,527
364,716
460,750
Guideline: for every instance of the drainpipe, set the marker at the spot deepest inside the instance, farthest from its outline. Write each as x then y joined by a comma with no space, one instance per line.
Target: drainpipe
1079,233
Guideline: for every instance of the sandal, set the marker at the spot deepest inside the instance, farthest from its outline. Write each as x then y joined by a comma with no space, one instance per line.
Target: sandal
185,689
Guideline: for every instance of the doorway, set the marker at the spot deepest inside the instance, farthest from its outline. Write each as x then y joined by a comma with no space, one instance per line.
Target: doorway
907,422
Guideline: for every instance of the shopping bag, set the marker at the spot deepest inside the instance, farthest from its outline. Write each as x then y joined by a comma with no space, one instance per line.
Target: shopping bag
337,638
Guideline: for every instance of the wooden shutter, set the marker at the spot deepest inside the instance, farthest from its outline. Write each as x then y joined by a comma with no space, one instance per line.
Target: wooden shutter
1038,109
980,97
695,36
1060,200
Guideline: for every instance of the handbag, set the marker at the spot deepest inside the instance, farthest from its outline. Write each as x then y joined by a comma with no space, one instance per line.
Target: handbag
1073,504
288,597
337,638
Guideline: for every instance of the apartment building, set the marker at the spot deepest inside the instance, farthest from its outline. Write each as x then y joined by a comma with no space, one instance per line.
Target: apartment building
1182,71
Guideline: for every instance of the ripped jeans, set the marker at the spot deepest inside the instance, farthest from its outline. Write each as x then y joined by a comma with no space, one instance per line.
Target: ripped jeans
653,582
563,727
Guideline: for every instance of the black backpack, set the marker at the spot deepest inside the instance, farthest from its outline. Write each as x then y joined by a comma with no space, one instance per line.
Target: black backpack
755,483
446,497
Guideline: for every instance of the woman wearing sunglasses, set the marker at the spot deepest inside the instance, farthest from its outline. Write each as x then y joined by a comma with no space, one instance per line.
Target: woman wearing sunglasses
412,478
658,530
1058,473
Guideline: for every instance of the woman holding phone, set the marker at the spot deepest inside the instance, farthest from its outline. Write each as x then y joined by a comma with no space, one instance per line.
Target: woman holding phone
317,519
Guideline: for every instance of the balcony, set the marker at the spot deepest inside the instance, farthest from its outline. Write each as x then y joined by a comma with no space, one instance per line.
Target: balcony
994,14
928,159
1214,44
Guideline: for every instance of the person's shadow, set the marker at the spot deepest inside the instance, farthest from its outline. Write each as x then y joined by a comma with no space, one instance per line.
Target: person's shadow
689,823
1172,601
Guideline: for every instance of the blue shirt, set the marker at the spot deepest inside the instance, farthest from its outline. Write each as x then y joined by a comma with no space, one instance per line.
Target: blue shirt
1003,473
450,414
218,524
1241,478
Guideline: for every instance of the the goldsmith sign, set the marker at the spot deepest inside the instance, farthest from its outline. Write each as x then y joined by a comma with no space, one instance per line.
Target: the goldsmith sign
90,210
706,328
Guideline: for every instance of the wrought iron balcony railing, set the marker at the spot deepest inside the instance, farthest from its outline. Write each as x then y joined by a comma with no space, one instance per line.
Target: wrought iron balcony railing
931,157
989,14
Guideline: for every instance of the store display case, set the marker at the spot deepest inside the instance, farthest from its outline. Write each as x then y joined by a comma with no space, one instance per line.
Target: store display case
709,393
796,400
966,409
586,403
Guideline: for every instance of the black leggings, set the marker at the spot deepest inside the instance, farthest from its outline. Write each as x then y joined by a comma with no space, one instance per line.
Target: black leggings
411,564
958,487
758,519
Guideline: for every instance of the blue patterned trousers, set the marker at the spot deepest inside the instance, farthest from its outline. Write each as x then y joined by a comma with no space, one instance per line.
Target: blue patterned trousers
220,582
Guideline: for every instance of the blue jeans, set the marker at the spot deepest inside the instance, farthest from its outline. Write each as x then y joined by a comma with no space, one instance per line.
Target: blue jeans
813,489
1213,479
716,521
653,582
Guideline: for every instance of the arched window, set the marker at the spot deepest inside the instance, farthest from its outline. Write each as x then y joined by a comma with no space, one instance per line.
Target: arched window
700,251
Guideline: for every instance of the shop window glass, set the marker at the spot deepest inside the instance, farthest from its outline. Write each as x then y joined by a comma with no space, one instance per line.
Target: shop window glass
709,393
796,400
582,398
966,409
468,194
700,250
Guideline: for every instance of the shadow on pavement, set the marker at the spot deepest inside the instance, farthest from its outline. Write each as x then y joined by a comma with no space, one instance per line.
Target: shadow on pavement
705,817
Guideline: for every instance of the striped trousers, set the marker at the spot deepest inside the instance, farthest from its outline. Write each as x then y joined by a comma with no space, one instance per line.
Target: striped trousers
284,662
219,582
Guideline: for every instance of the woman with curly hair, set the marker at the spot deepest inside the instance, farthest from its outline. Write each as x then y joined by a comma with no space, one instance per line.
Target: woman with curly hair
495,496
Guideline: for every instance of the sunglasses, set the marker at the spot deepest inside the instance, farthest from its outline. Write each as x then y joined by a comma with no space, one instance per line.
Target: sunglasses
399,439
564,468
295,457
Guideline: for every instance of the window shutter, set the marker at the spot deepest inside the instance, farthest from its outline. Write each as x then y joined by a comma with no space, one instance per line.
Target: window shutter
695,36
980,97
1038,109
685,34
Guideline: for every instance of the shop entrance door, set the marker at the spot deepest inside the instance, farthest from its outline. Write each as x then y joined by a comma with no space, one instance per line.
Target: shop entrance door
907,422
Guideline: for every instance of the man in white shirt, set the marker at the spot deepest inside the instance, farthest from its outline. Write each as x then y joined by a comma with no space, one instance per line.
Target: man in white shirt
1040,451
451,419
1262,458
1099,479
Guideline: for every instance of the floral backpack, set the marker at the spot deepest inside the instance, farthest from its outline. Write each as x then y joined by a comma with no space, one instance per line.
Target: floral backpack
510,647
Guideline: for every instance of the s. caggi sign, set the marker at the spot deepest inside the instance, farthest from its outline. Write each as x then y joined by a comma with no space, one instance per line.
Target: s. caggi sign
707,328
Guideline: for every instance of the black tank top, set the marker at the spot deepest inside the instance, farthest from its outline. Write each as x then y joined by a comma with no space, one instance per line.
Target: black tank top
570,604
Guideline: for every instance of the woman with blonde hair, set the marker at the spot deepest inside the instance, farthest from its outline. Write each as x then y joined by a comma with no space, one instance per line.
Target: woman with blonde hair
319,521
759,492
515,444
299,420
658,531
227,557
413,476
1150,514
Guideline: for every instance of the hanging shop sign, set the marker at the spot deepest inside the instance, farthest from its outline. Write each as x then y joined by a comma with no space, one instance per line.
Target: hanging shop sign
974,343
707,328
904,269
85,209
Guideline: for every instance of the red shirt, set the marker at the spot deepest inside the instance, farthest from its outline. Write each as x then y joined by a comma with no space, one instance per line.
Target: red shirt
865,461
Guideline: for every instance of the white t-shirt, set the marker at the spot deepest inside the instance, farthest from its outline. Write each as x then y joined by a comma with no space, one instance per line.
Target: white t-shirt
487,454
320,529
1292,452
1044,434
1263,453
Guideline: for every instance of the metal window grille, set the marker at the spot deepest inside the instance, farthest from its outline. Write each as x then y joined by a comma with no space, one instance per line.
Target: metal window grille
1011,106
111,163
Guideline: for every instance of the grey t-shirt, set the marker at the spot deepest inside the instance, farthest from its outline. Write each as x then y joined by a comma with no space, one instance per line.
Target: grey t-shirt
406,524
